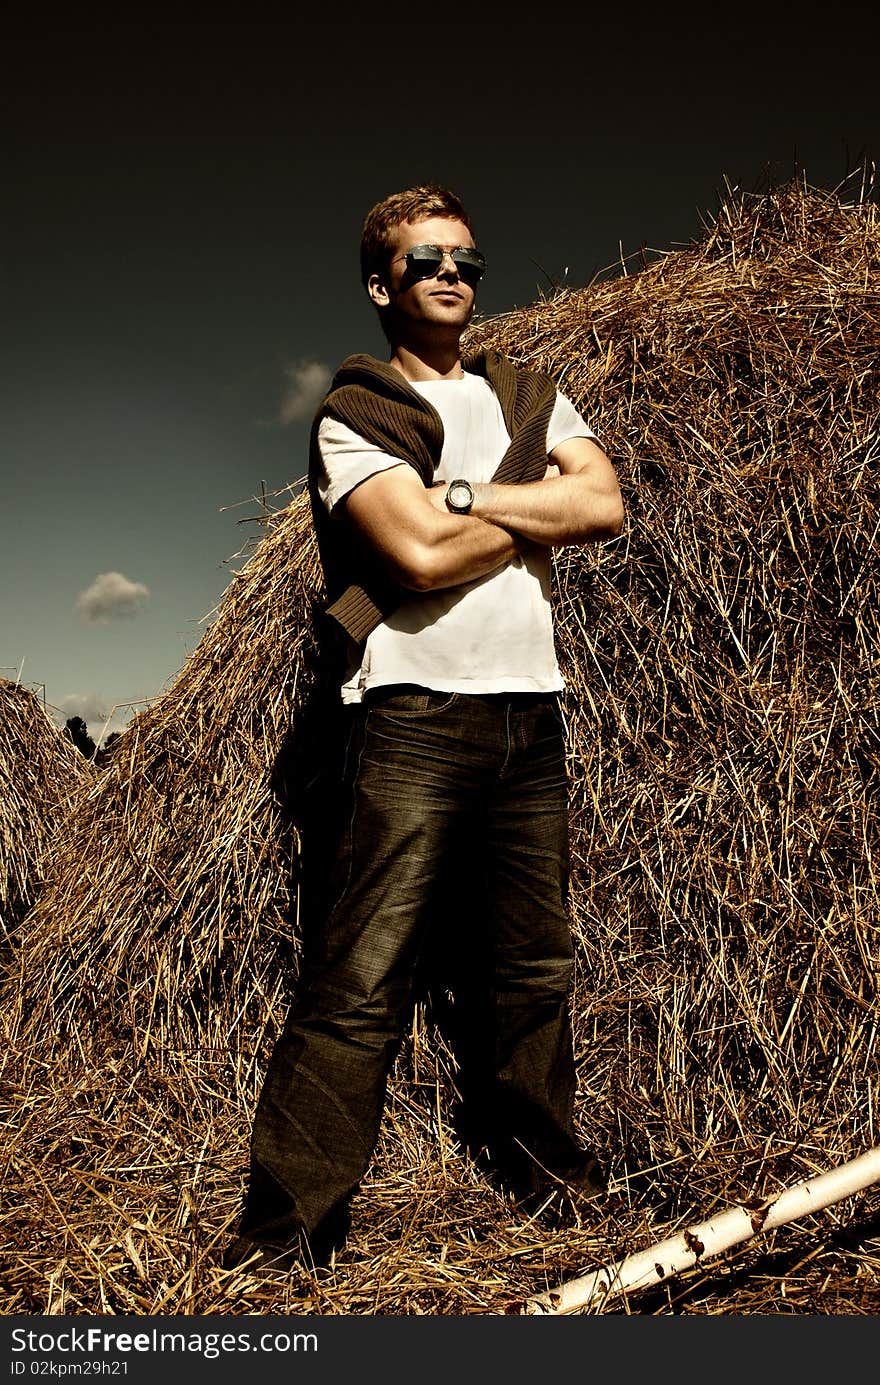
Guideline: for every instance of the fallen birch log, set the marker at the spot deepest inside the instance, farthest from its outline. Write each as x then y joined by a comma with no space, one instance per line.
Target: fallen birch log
647,1268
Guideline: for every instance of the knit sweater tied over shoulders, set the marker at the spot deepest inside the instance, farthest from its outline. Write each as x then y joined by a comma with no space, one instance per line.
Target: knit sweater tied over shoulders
377,402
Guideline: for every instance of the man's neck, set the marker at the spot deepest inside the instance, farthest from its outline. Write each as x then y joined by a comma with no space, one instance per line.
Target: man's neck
422,363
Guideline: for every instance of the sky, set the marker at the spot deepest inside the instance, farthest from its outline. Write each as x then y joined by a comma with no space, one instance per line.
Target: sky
179,276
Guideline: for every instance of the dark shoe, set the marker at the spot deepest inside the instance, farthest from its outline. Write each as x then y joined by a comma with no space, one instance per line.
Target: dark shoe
559,1202
555,1198
262,1260
285,1246
590,1180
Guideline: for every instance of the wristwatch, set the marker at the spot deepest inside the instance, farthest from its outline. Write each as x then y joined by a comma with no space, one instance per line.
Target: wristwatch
459,496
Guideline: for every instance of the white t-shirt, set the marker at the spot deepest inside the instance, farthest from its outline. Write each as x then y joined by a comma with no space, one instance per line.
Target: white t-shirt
494,634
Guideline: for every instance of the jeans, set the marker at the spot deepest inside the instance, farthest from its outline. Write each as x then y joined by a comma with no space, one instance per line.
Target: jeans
449,801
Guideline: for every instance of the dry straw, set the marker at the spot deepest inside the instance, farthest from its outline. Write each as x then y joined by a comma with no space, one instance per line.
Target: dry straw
40,771
722,661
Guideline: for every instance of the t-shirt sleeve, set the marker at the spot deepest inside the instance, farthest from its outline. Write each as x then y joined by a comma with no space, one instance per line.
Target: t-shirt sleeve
346,460
566,422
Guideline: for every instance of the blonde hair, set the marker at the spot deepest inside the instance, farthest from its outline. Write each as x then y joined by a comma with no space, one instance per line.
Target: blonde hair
414,204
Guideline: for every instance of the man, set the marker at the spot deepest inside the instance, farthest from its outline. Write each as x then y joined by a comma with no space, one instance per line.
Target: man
438,492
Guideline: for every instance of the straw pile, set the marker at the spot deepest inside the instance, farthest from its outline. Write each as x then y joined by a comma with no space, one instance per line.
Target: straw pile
722,660
40,771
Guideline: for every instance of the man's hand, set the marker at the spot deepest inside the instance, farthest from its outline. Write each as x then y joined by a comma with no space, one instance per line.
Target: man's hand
437,496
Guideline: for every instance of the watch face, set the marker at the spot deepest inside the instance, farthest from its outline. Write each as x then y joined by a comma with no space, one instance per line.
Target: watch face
460,495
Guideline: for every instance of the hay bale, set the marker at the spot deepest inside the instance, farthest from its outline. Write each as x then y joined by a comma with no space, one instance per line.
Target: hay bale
175,870
722,661
40,773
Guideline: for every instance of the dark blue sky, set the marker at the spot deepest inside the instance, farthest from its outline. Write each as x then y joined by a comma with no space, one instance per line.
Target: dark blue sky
179,253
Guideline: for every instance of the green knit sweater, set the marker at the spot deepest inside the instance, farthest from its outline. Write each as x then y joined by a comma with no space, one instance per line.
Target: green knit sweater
373,399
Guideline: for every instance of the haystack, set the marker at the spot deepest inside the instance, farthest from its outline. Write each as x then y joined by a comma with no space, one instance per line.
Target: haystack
40,773
722,660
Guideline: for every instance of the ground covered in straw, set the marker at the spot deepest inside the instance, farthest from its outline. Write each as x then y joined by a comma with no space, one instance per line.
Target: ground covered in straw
722,704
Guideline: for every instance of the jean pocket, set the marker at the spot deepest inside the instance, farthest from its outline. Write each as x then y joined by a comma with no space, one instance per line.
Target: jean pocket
413,704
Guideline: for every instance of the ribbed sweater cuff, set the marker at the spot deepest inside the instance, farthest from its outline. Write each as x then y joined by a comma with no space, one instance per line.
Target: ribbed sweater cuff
356,612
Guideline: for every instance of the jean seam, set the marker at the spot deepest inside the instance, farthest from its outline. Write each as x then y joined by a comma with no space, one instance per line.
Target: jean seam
350,828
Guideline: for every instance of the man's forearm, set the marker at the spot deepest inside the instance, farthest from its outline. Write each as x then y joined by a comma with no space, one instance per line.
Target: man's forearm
460,549
417,539
567,509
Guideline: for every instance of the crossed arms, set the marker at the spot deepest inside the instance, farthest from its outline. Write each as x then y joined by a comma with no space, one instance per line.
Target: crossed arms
425,547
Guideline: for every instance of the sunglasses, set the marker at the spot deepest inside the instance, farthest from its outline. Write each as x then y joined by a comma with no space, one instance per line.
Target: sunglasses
425,261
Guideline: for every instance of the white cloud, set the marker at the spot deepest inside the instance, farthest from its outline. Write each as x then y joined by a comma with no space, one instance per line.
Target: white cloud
101,719
89,706
111,597
305,384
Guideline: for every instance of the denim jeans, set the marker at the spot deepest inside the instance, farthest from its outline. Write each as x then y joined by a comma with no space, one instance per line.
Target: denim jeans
448,801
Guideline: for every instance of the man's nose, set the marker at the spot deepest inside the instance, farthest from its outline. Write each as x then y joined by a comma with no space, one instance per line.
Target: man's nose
448,265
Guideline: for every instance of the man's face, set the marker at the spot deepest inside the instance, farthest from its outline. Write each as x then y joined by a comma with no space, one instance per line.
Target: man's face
443,303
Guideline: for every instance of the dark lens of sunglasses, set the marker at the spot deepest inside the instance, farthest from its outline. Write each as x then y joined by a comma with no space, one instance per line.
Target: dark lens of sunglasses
423,262
471,265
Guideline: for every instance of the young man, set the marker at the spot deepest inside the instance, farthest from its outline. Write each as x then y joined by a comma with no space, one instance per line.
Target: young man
438,489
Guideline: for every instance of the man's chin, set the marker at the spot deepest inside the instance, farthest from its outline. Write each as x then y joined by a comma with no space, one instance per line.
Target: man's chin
456,315
434,326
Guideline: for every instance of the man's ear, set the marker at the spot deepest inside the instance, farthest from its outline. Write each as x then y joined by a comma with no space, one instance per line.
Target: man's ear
378,292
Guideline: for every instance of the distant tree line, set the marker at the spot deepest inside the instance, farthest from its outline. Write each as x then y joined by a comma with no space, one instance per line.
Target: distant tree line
76,730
